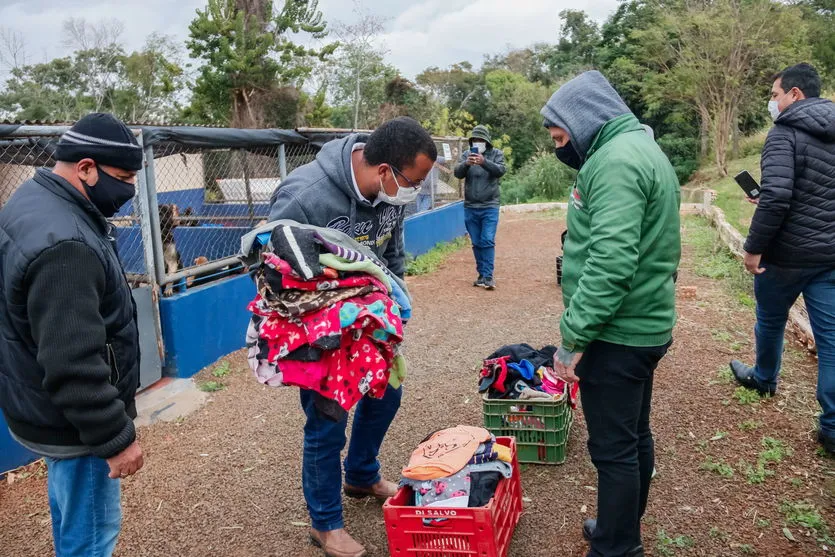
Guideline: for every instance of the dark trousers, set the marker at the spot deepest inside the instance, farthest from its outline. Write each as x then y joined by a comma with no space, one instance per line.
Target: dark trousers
616,393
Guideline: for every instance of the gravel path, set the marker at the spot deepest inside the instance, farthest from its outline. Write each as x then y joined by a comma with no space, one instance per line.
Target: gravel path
226,480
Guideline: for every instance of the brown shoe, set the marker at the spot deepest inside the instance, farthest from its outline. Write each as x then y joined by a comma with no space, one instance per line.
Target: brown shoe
337,543
381,490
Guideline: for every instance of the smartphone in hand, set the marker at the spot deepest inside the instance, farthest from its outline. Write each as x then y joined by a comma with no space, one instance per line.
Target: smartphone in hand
748,184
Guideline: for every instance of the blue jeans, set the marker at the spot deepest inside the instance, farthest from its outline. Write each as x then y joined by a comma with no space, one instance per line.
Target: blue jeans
481,226
324,440
85,505
776,291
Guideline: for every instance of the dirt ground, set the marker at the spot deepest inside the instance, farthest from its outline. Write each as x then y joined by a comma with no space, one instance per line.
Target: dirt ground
226,481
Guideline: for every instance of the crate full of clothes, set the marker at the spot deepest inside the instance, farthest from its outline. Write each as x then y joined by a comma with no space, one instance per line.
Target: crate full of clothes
461,495
328,317
523,398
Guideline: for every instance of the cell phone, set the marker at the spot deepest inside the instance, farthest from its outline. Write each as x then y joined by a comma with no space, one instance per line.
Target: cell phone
473,150
748,184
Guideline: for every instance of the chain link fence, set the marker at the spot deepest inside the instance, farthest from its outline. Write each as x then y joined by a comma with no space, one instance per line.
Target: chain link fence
200,199
22,154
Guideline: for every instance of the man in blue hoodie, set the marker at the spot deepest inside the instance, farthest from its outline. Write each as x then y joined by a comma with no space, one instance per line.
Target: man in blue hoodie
358,185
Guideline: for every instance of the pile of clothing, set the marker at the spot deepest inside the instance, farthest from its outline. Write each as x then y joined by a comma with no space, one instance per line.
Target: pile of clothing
519,371
457,467
328,317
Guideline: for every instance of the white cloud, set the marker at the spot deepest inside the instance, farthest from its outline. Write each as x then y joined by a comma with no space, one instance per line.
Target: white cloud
419,33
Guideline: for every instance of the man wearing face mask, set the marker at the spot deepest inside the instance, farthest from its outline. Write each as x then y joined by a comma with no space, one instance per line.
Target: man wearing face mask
69,363
481,171
791,243
359,185
620,256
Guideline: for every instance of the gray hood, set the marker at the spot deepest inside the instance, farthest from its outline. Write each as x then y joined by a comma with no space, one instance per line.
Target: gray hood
583,106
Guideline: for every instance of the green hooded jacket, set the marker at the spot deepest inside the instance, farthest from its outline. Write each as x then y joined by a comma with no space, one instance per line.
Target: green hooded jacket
623,244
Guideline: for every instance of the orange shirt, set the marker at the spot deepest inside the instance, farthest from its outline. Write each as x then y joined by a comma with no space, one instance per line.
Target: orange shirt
445,453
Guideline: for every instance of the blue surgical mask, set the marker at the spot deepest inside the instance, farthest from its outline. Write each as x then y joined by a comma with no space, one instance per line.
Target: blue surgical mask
109,193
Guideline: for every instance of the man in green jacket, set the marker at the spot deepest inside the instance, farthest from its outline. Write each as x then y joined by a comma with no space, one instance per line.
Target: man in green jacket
620,257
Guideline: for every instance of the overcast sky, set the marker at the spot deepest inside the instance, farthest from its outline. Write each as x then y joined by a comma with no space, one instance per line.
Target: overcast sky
418,34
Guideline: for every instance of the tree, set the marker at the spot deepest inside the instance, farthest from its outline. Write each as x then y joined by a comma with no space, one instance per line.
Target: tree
577,46
12,48
247,57
150,81
718,55
820,16
514,110
97,54
360,56
458,87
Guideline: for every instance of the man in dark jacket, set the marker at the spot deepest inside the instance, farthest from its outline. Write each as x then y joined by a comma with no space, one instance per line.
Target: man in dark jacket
791,244
358,185
69,360
480,168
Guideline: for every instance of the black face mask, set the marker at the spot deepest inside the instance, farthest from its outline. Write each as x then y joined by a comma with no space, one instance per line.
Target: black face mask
109,193
569,156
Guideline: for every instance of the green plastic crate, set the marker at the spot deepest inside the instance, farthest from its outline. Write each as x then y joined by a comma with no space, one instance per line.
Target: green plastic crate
541,427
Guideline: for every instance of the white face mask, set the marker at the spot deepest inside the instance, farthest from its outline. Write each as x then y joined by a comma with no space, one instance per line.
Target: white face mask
404,196
481,146
773,110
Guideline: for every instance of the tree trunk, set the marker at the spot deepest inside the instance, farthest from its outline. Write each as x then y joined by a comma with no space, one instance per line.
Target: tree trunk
722,132
704,132
735,134
357,99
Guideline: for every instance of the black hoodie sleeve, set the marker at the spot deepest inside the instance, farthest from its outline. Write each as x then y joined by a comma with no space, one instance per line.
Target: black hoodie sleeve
496,167
776,189
66,285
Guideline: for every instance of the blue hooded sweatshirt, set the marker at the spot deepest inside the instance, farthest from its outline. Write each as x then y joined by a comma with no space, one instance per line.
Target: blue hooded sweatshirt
322,193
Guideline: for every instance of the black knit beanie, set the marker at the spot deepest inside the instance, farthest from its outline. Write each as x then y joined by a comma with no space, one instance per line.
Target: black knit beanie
103,138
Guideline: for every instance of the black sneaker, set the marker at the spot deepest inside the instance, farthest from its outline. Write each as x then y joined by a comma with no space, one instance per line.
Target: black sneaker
828,443
489,284
479,282
745,376
588,528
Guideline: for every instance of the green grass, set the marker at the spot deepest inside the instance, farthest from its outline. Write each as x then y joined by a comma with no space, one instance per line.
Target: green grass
729,196
211,386
747,397
774,451
714,260
750,425
433,259
222,370
667,546
720,467
806,515
724,376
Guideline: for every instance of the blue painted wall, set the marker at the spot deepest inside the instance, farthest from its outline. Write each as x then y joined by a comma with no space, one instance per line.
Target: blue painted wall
12,455
206,323
426,230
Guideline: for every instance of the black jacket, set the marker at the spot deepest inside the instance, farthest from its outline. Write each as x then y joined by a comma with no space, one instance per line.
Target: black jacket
481,183
69,356
794,225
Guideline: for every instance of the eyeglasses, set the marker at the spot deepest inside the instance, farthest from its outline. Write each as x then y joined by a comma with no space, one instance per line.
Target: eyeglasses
409,183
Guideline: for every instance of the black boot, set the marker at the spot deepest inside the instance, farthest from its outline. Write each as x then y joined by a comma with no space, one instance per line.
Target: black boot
828,443
745,376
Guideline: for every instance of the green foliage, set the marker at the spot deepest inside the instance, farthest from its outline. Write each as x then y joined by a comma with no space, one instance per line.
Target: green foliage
750,425
432,260
136,87
222,370
714,260
747,397
667,546
720,467
246,57
774,451
683,153
806,515
543,178
212,386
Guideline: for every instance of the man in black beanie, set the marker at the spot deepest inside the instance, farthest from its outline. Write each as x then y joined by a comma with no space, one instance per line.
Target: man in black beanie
69,363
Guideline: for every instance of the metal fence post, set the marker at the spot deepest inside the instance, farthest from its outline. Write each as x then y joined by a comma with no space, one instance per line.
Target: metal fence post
153,217
247,187
144,214
282,162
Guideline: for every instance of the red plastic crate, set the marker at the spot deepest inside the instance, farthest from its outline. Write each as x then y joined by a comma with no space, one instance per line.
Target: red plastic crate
478,531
